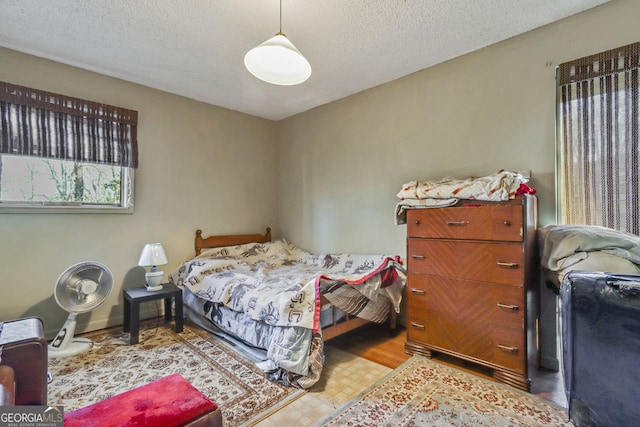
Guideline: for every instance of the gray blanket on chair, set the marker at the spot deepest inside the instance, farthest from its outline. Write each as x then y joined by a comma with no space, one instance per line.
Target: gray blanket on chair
565,245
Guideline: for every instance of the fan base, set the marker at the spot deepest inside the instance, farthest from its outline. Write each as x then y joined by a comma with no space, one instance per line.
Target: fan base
76,346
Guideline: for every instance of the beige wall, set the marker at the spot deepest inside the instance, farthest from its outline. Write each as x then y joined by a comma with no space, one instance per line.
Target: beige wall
343,163
200,167
325,179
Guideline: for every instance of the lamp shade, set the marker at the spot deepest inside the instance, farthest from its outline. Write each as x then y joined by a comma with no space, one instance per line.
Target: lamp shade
152,255
277,61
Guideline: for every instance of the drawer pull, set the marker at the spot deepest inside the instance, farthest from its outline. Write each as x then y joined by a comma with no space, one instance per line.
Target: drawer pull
507,264
416,222
417,325
417,256
457,223
507,223
508,306
417,291
507,348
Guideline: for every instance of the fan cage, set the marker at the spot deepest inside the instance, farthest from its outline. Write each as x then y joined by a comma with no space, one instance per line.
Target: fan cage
68,290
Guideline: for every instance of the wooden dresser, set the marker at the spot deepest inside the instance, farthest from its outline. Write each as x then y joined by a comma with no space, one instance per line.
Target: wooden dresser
472,285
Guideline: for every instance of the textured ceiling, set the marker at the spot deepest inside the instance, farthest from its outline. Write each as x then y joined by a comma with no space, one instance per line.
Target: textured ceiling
195,48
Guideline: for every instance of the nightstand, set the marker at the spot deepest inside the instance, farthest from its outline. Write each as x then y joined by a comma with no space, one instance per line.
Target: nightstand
134,296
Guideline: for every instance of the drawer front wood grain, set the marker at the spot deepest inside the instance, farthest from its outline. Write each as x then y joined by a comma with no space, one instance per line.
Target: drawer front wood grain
508,321
445,332
417,288
491,262
509,349
483,261
480,319
507,303
501,223
417,328
437,257
417,300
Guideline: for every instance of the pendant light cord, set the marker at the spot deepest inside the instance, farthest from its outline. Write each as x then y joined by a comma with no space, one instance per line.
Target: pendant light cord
280,32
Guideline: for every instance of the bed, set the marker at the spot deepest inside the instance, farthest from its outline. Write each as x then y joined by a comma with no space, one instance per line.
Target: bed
285,301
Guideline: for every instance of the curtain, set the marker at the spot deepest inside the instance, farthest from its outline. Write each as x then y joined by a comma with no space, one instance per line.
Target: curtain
599,121
43,124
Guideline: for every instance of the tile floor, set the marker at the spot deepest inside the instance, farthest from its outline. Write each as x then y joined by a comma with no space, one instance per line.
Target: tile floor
344,377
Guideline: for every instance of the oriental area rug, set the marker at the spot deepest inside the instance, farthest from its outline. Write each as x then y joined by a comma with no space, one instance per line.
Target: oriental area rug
422,392
111,366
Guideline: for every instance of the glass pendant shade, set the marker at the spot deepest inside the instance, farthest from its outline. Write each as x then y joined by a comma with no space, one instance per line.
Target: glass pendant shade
277,61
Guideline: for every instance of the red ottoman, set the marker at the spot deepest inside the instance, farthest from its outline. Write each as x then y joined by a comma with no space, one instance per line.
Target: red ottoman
168,402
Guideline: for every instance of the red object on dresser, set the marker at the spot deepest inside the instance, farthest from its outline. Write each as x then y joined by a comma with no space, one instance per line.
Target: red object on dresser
168,402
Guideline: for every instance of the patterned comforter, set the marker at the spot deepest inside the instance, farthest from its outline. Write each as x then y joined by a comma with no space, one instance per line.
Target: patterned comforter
268,294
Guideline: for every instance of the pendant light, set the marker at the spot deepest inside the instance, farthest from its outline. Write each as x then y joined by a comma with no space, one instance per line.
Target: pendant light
277,61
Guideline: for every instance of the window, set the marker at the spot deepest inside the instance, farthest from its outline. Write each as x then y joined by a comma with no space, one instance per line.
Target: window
52,182
598,134
58,152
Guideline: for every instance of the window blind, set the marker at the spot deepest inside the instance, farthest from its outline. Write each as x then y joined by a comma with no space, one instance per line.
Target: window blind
43,124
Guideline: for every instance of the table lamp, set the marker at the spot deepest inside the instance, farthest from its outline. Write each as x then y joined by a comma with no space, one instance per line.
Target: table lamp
152,256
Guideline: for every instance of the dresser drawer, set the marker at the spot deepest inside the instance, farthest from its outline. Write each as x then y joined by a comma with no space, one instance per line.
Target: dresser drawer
417,288
480,303
417,328
417,294
508,321
479,319
509,349
487,222
508,304
479,341
417,300
501,263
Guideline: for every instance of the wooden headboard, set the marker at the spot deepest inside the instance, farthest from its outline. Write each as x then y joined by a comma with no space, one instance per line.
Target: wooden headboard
229,240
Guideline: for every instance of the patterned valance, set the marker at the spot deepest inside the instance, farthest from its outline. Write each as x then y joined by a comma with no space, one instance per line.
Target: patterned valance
43,124
606,63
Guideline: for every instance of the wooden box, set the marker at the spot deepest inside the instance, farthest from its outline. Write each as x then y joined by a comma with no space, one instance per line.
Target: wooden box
24,349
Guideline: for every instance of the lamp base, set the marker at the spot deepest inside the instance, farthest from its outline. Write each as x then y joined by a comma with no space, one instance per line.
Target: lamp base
154,279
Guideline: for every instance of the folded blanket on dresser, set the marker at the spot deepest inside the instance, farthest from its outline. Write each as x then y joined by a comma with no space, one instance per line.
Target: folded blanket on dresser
444,192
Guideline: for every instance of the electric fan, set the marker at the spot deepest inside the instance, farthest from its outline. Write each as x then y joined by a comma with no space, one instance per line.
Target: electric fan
81,288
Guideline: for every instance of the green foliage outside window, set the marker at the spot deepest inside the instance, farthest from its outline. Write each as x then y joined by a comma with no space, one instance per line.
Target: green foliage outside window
32,180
